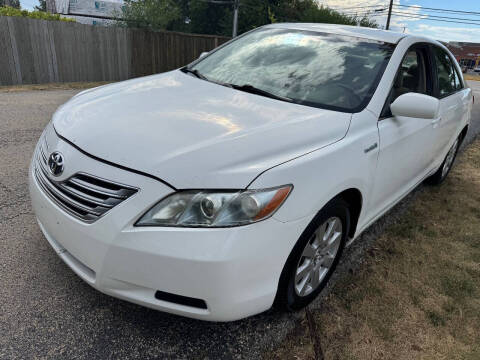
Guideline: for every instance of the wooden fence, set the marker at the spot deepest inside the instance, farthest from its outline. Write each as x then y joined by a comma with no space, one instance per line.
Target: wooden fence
38,51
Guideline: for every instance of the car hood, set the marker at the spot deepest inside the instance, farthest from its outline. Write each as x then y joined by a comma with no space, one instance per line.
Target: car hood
192,133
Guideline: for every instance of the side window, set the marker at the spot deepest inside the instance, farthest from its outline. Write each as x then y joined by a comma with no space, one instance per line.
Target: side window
447,76
413,76
458,82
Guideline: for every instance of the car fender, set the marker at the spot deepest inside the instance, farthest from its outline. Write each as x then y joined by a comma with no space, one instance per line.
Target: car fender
320,175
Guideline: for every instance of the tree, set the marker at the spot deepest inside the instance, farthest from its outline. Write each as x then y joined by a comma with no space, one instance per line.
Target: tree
183,22
209,18
216,17
152,14
326,15
12,3
42,6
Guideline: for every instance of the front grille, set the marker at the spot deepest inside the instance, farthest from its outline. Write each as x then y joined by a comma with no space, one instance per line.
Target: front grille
84,196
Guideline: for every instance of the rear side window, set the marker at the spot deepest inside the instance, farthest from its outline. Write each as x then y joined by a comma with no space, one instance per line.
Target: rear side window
458,82
447,77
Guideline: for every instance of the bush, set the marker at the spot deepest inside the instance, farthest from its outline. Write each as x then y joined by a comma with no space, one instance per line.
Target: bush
10,11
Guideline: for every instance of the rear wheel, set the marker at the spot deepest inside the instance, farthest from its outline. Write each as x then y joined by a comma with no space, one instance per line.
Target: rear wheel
446,166
314,257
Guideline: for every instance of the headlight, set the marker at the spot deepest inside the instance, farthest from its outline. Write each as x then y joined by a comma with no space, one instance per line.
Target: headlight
195,208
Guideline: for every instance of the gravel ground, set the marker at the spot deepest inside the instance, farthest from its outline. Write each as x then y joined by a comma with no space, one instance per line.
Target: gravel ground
48,312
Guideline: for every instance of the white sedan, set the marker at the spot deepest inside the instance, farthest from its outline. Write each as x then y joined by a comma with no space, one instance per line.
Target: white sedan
223,188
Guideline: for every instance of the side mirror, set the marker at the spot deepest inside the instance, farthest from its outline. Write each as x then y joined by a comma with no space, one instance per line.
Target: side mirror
416,106
205,53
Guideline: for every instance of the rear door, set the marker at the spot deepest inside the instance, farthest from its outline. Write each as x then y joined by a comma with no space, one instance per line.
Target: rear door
454,102
406,143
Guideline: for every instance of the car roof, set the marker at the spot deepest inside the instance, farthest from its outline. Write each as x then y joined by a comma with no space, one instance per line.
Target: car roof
357,31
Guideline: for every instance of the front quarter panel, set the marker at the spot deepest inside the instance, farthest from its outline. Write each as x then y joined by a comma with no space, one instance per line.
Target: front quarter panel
321,175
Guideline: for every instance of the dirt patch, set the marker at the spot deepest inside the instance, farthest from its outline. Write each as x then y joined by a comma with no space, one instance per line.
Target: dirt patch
297,345
471,77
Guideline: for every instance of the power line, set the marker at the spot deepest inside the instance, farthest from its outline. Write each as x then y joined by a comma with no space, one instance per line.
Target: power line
410,7
353,7
440,9
337,8
420,17
364,14
436,16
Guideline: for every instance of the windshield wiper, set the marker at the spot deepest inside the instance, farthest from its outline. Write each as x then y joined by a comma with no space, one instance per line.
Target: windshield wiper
246,87
194,72
254,90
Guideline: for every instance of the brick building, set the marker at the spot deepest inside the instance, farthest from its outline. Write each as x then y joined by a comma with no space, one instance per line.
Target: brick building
467,54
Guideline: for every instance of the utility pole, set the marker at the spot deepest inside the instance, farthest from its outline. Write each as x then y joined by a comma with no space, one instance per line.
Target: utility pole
236,5
389,15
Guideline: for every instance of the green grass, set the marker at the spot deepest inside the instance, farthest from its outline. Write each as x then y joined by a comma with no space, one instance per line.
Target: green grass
458,285
435,318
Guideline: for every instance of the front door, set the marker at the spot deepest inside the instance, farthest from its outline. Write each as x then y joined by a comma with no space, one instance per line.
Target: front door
406,143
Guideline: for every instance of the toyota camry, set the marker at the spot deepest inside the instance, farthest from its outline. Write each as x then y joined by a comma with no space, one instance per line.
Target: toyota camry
233,184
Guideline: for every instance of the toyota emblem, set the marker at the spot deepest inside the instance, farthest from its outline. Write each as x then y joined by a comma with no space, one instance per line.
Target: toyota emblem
55,163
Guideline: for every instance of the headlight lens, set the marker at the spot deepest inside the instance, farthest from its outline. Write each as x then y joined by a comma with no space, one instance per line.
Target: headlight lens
215,208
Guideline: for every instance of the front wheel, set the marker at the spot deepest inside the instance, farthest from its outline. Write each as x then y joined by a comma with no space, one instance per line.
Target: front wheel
446,166
314,257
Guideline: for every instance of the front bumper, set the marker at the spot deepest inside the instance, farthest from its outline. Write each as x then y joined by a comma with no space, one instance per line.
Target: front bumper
235,271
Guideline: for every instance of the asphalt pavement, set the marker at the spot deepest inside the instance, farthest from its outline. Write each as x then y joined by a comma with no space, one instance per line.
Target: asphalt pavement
48,312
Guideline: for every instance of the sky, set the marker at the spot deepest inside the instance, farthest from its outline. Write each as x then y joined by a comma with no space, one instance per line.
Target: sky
439,30
444,31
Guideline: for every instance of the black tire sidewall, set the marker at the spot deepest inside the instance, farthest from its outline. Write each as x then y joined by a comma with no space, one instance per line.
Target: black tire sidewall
442,179
438,178
286,297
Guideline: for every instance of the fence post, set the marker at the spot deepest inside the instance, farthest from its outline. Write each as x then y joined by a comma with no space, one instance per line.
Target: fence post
13,42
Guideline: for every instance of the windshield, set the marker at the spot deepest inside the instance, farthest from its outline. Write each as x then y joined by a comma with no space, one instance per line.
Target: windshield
324,70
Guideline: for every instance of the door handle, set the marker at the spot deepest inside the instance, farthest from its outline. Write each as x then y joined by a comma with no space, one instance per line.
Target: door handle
370,148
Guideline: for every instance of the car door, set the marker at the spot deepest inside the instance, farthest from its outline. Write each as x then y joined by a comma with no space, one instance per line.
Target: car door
453,102
405,151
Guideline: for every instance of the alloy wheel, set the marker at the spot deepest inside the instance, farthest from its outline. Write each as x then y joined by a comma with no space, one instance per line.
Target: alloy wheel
318,256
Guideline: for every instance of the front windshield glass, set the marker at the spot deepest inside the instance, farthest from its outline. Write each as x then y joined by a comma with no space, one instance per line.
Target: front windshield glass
324,70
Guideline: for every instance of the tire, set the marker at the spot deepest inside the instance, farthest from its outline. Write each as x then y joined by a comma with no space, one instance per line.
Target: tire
291,295
447,164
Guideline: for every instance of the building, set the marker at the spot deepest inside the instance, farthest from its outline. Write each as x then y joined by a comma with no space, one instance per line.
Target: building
92,12
467,54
